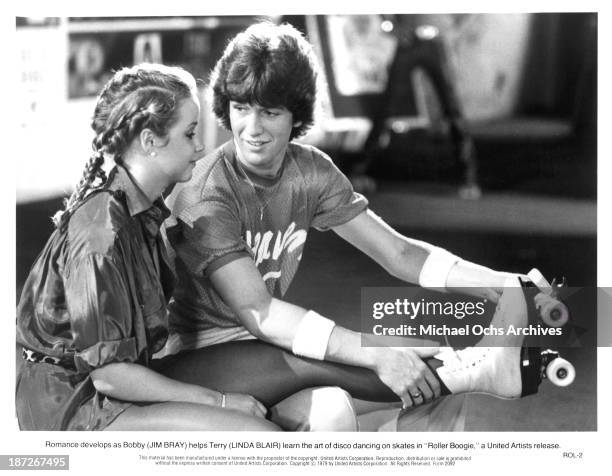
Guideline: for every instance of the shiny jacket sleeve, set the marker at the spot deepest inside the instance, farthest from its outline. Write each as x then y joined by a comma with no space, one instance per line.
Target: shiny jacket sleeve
101,312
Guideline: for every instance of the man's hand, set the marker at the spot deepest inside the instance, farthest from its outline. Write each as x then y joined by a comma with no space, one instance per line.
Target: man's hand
404,372
475,280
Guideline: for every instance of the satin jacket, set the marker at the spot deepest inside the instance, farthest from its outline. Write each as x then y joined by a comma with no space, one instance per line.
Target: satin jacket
96,294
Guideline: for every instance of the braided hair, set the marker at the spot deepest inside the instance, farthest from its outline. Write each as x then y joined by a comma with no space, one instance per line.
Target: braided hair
135,98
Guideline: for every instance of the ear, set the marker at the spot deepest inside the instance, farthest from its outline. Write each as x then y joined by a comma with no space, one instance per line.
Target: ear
148,141
297,124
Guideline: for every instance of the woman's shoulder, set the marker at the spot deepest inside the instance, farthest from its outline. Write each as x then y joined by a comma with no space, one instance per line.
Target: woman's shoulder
95,224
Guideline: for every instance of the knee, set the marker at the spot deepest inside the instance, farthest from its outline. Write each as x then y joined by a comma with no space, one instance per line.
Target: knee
316,409
337,411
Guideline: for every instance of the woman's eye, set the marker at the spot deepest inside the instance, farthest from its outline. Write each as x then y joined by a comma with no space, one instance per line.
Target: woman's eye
272,113
191,135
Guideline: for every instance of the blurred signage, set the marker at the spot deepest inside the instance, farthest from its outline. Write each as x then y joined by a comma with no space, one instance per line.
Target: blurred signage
41,47
147,48
99,46
93,56
361,53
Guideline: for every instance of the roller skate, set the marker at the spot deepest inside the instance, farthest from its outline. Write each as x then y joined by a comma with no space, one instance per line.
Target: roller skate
507,372
552,310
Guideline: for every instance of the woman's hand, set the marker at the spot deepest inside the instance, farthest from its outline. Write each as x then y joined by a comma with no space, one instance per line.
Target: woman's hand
245,403
233,401
405,373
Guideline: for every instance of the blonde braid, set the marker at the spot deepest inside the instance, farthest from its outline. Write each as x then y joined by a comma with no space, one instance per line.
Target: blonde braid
93,169
142,96
111,141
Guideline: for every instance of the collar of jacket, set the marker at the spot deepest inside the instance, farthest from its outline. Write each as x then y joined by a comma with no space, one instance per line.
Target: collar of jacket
121,184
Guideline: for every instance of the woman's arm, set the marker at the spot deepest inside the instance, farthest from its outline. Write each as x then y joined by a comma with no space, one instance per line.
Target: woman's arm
136,383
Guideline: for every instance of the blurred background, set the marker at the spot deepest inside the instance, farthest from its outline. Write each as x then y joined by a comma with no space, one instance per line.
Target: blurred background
476,132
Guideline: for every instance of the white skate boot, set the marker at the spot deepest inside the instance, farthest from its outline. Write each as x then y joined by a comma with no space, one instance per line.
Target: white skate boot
507,372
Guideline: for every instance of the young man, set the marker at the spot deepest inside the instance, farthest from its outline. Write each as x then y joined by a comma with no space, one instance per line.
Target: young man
238,230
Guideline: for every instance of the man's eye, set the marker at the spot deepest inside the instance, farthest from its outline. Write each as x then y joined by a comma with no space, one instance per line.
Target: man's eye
191,135
271,113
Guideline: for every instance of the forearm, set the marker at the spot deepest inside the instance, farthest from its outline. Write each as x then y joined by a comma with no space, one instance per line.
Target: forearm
344,347
136,383
279,325
406,259
408,262
465,274
399,255
415,261
272,320
442,270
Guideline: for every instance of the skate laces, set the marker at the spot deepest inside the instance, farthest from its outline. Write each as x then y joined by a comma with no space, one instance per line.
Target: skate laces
459,360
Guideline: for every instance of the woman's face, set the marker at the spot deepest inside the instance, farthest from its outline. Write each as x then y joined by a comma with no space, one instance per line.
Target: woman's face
261,135
183,145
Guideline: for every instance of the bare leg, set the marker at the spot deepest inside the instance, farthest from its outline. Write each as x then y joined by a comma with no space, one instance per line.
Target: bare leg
316,409
178,416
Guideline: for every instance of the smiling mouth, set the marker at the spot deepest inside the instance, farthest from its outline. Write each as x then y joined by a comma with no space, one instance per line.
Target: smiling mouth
256,143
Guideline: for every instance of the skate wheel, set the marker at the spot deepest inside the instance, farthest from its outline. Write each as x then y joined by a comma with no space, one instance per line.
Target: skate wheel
552,311
556,315
560,372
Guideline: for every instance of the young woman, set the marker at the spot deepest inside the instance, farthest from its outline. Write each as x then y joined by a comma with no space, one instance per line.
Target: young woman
93,309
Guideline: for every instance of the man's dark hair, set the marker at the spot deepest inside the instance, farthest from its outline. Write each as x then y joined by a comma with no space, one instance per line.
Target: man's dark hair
269,65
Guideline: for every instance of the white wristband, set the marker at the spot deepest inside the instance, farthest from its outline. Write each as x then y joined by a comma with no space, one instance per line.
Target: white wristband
312,336
436,268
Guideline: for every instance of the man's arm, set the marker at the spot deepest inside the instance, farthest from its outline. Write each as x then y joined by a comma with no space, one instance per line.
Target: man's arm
404,257
275,321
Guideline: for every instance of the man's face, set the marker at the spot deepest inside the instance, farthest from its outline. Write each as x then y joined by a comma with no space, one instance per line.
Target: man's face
261,135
